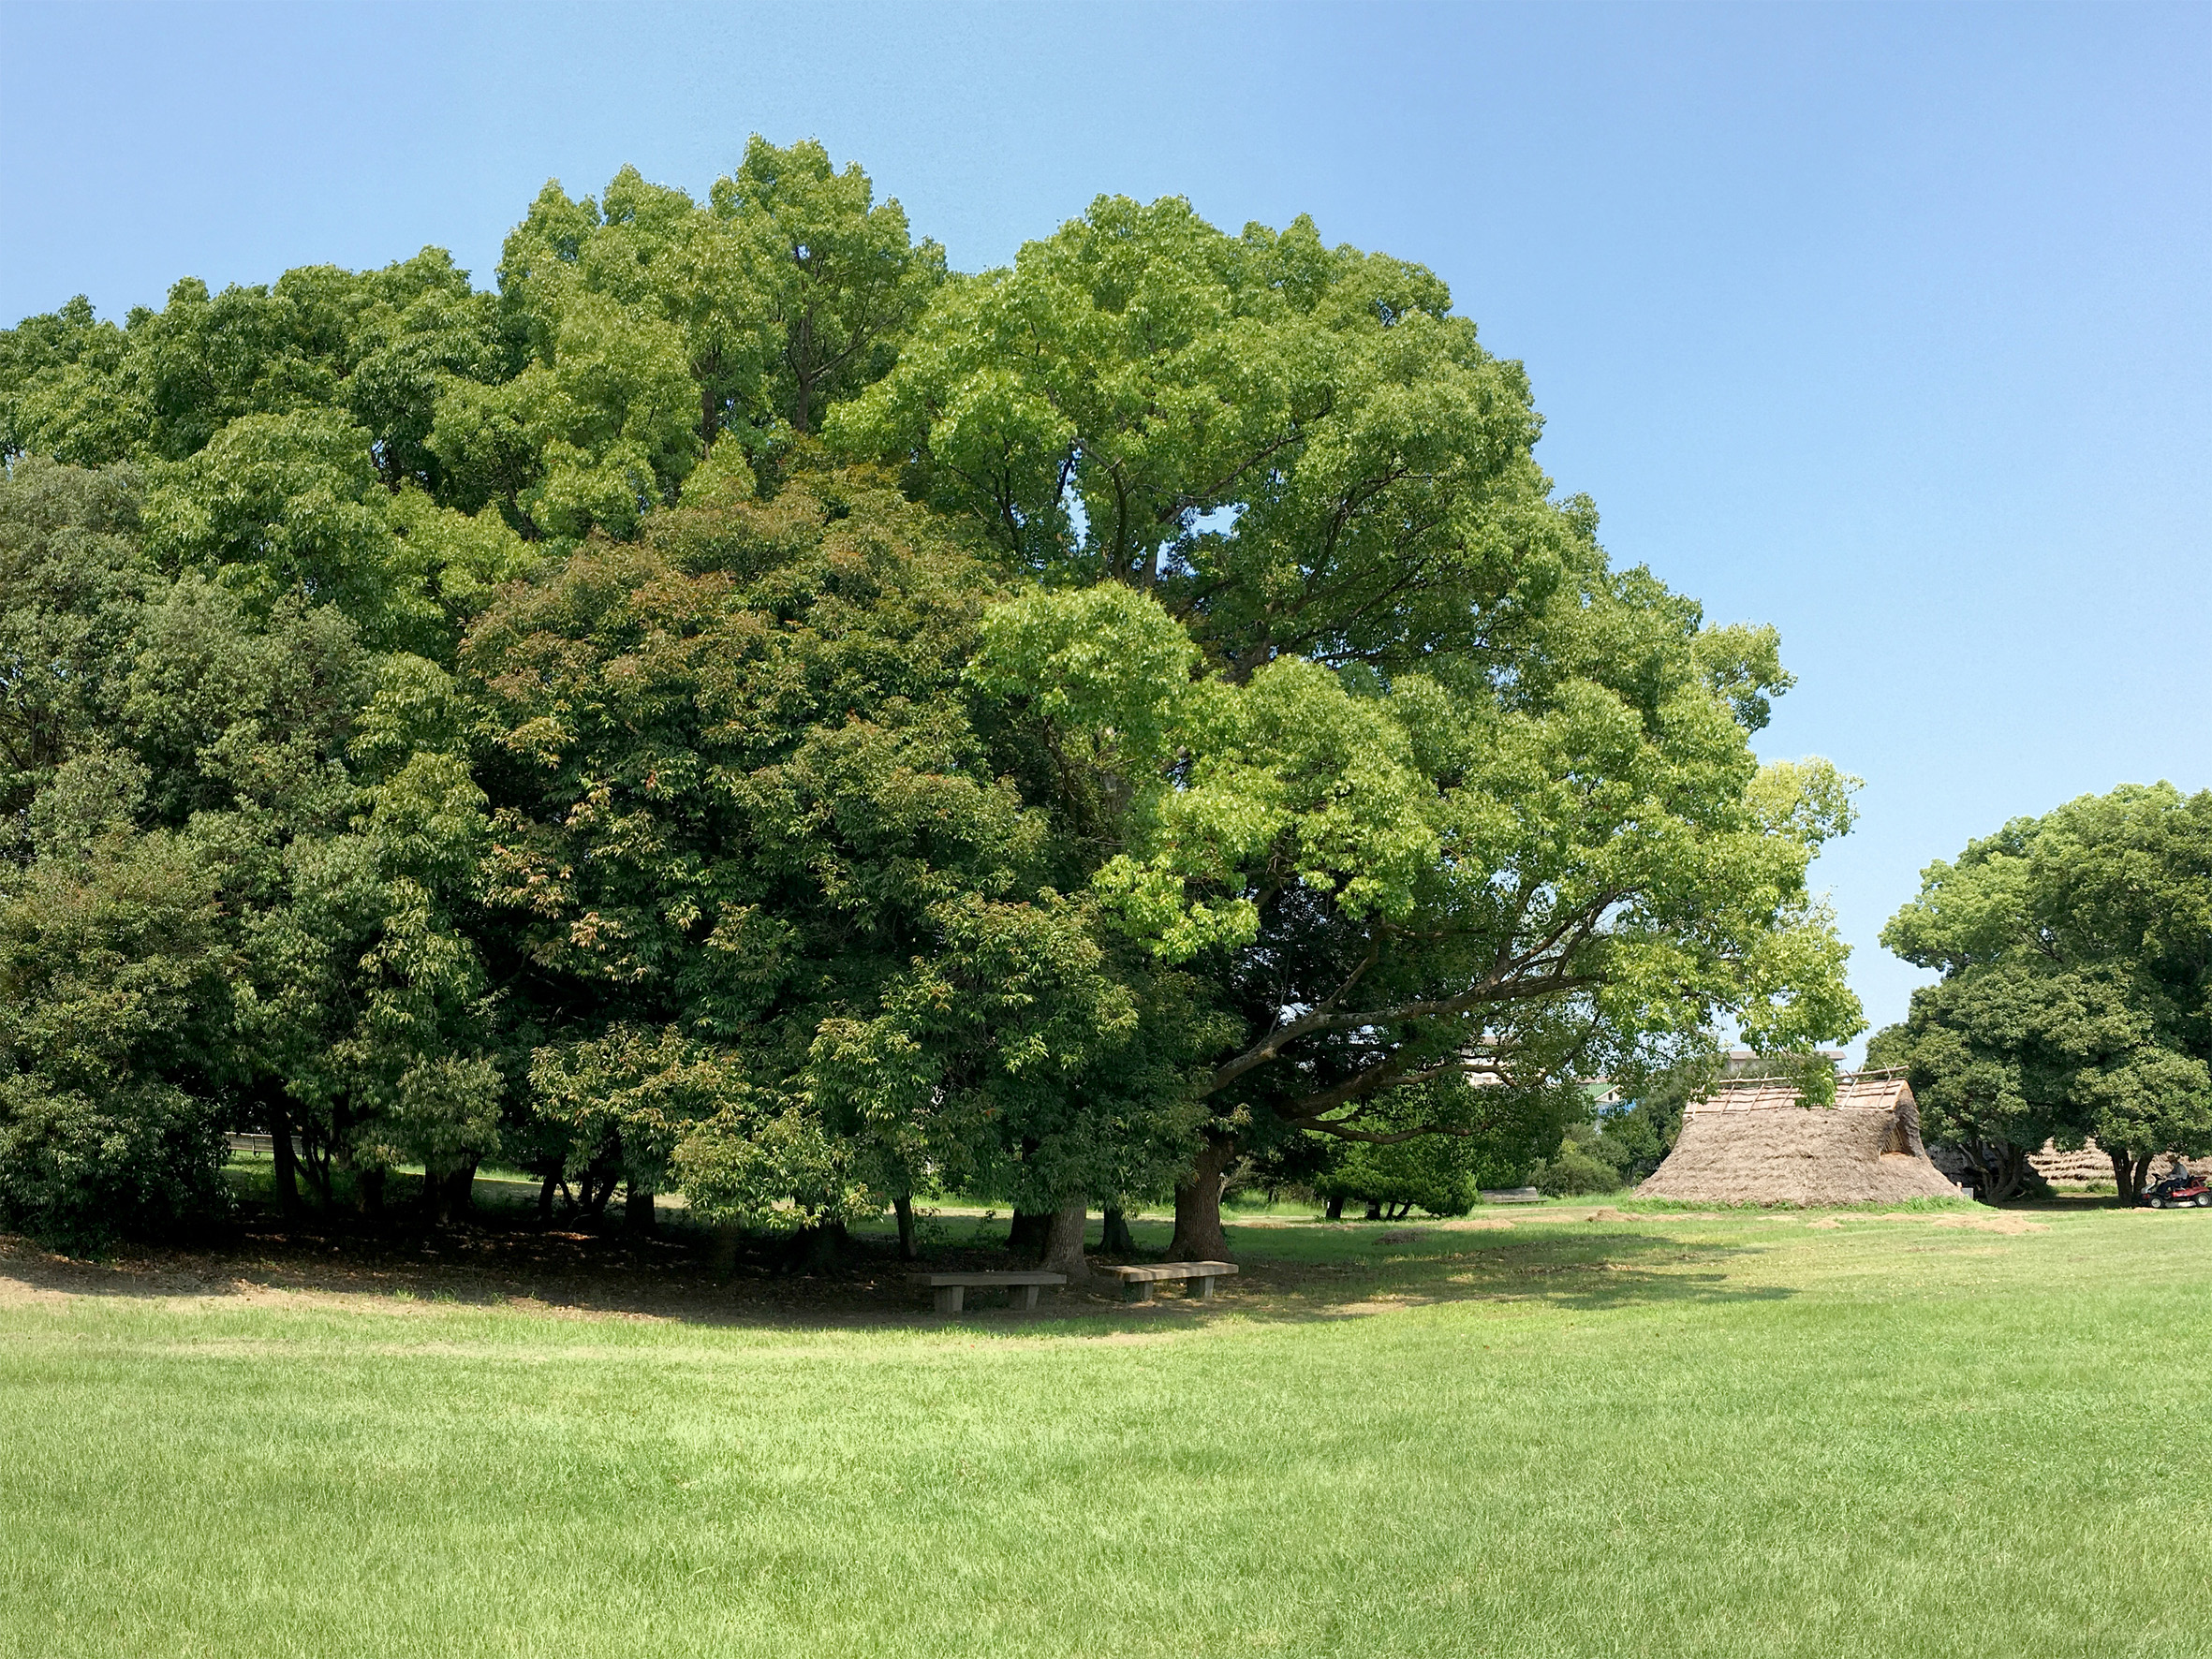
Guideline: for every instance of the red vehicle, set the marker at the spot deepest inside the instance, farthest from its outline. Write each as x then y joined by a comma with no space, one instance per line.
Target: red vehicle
2179,1191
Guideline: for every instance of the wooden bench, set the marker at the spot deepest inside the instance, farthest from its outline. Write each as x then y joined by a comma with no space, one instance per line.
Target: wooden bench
1137,1283
1512,1195
951,1290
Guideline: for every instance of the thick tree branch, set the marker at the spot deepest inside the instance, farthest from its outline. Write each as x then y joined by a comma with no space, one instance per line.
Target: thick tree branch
1488,992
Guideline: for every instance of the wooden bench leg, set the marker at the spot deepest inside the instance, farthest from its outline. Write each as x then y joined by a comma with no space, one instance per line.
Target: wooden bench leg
949,1297
1137,1290
1022,1296
1202,1287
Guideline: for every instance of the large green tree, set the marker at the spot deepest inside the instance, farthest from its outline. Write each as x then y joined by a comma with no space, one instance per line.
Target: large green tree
838,276
790,932
2076,997
373,344
1299,449
1359,725
1385,886
249,837
1232,736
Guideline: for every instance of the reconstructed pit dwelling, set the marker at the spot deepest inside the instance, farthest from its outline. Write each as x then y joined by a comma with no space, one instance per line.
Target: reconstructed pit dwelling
1755,1142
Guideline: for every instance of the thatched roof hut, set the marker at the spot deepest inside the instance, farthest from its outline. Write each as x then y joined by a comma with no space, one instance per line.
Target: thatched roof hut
1755,1142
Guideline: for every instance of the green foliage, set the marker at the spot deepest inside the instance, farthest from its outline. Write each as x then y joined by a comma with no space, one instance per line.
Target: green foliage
1228,736
1434,1145
1431,1174
1636,1140
664,1103
2076,1002
77,1170
1449,788
1586,1161
837,277
1412,868
744,805
58,395
371,343
218,908
657,323
601,425
278,505
111,980
1617,1143
111,988
71,576
1138,377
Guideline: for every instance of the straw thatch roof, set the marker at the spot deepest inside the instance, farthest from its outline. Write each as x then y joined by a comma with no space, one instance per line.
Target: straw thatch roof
1757,1142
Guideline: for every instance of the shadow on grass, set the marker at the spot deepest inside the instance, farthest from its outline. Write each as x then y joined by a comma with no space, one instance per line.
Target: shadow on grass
1572,1267
501,1261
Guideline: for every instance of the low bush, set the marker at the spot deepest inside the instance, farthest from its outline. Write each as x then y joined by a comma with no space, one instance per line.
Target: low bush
76,1172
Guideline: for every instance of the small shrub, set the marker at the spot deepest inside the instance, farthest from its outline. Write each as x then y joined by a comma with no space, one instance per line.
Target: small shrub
1585,1163
76,1173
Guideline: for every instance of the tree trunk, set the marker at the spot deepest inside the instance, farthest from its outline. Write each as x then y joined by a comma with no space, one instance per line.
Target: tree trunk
637,1208
595,1187
2129,1173
460,1189
545,1197
724,1252
1335,1209
819,1249
806,393
1063,1244
1373,1211
1116,1238
1028,1231
710,413
286,1162
316,1156
448,1193
804,330
2008,1171
903,1206
1198,1207
368,1189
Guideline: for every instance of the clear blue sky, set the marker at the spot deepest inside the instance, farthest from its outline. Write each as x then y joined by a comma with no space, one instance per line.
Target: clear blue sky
1890,326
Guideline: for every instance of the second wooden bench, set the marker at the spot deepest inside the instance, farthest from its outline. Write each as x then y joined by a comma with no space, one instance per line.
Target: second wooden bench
1137,1283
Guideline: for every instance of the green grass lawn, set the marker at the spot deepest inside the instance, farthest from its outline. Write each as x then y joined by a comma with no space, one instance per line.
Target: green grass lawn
1655,1432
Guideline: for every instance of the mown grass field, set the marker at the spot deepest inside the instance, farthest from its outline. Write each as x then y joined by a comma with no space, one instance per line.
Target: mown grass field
1654,1433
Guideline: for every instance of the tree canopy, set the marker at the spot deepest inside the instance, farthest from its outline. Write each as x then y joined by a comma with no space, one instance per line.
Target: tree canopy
737,705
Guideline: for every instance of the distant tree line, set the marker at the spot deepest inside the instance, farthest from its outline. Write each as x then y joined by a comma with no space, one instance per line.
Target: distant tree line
738,706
